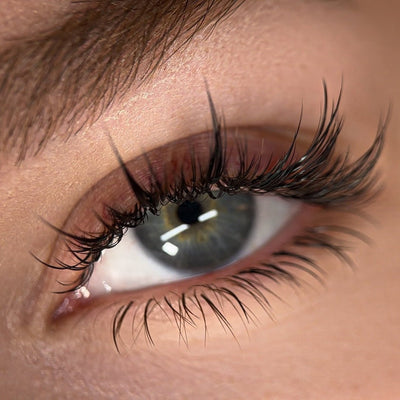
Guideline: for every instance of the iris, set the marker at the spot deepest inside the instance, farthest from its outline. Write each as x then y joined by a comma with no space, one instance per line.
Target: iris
201,234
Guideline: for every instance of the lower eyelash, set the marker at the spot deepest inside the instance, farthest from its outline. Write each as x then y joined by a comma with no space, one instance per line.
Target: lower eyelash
190,307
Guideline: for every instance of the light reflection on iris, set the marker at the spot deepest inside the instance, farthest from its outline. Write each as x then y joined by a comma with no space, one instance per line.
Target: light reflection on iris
171,249
199,235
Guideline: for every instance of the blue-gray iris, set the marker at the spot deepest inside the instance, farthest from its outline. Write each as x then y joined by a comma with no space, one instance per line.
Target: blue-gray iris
199,235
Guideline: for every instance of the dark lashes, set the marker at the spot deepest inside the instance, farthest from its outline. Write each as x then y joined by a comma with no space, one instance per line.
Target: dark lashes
318,177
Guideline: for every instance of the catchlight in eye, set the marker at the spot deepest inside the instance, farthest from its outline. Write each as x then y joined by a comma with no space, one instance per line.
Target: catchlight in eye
199,234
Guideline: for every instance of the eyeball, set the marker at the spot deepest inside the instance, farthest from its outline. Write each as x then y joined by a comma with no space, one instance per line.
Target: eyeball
190,238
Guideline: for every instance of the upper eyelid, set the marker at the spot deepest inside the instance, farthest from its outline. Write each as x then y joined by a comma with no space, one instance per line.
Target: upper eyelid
92,52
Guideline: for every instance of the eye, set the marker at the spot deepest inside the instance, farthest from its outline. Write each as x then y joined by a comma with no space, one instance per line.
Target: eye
210,220
190,238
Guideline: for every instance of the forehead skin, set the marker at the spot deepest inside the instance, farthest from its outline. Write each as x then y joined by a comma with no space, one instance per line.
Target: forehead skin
261,64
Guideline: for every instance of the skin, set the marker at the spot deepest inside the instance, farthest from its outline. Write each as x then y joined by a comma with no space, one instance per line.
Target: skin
261,64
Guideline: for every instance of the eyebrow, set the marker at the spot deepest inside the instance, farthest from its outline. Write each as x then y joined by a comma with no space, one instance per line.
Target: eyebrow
65,78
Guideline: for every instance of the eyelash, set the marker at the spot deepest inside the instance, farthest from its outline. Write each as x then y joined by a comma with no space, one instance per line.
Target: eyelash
319,177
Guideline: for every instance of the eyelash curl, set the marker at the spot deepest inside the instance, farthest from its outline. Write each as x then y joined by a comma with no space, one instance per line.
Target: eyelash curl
319,177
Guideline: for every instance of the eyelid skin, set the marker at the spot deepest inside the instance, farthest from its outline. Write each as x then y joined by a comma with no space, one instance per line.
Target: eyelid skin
228,163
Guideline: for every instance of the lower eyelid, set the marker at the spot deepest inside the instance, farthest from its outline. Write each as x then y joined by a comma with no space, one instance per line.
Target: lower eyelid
278,290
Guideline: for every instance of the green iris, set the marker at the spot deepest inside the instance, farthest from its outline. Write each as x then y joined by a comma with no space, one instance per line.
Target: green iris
199,235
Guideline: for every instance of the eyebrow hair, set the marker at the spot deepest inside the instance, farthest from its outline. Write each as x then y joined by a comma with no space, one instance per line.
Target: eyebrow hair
65,78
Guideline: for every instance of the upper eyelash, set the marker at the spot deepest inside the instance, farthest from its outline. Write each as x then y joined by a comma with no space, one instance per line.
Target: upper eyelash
314,178
318,177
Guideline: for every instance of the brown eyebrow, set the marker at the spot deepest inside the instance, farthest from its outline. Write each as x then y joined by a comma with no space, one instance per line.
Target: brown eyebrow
67,77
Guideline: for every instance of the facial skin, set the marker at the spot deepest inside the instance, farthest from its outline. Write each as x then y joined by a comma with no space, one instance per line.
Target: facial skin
261,64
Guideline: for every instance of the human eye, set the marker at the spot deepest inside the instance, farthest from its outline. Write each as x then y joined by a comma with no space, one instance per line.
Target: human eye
197,228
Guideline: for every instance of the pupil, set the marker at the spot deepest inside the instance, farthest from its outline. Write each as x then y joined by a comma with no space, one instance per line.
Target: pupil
189,212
